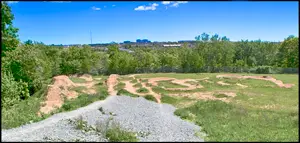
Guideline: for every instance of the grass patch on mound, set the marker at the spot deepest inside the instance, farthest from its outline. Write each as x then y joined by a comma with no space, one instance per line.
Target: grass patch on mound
125,92
169,84
78,88
150,98
142,90
77,80
81,101
133,81
138,85
220,95
120,85
229,122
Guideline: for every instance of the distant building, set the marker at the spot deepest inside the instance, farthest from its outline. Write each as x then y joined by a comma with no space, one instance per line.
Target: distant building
172,45
143,41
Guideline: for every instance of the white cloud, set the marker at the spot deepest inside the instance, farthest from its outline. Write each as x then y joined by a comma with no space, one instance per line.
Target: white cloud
145,8
176,4
166,2
105,6
96,8
182,2
12,2
113,5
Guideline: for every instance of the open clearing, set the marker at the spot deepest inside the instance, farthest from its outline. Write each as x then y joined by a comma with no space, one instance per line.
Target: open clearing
227,107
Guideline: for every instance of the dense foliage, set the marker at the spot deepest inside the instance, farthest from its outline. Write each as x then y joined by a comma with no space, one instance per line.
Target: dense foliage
25,66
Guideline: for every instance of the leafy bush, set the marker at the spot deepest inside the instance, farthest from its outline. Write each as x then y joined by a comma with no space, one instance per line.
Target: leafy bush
264,70
10,90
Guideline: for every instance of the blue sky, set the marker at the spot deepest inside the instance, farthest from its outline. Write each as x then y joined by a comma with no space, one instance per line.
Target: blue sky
71,22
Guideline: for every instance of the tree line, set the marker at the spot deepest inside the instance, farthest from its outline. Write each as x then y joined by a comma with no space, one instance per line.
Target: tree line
25,66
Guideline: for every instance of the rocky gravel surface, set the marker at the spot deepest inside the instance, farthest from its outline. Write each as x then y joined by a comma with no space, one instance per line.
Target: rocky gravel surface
149,120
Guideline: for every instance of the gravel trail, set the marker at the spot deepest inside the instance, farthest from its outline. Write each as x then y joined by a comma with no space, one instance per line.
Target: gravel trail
157,121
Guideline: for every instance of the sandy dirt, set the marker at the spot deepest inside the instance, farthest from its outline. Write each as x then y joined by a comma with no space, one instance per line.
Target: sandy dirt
241,85
112,81
267,78
222,83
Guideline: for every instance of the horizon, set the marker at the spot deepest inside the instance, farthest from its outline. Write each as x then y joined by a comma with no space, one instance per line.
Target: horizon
69,23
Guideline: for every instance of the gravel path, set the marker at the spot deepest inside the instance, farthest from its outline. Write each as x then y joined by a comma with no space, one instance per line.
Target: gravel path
133,114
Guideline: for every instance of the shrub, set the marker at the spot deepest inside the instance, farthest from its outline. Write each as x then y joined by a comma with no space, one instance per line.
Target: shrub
150,97
143,90
10,90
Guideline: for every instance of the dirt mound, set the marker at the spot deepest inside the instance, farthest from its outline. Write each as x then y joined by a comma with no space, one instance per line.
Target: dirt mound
241,85
111,82
267,78
60,89
56,92
222,83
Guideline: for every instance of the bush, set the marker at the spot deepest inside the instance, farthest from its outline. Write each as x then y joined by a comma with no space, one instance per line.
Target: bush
143,90
10,90
150,97
264,70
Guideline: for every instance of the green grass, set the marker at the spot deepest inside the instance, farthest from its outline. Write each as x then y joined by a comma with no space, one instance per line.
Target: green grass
77,80
257,113
144,80
142,90
133,81
230,122
125,78
150,98
138,85
78,88
116,134
120,85
169,84
125,92
220,95
81,101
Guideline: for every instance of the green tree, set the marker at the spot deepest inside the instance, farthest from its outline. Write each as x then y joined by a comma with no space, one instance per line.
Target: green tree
8,31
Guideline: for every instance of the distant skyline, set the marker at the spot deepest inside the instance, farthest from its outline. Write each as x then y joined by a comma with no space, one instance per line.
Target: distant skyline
71,22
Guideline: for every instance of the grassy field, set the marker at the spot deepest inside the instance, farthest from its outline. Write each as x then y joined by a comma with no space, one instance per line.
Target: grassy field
261,112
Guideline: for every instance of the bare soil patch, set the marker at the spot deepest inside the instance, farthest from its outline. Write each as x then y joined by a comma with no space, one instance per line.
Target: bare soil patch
111,82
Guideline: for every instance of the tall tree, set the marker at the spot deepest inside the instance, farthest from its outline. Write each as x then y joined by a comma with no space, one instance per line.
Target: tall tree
8,31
